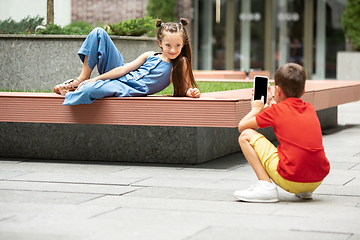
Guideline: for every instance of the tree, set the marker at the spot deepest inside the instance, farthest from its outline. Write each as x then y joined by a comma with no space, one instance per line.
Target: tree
350,22
50,12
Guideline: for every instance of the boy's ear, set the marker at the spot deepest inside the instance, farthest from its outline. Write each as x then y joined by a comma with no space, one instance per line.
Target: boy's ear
278,90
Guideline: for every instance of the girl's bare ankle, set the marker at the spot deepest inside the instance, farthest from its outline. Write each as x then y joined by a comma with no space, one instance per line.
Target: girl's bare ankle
81,79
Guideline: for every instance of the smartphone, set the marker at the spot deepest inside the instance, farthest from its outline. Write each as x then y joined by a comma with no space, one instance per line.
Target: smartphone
261,87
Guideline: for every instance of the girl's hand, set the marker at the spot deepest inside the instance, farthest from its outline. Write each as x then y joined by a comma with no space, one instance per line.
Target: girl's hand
86,81
193,92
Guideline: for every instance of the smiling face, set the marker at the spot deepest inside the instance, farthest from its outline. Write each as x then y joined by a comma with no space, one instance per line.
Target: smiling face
171,44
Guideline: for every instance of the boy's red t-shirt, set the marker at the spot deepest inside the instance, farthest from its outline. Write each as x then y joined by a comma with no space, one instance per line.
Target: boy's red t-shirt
297,128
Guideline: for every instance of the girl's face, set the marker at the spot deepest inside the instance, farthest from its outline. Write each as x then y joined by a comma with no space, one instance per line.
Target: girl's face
171,44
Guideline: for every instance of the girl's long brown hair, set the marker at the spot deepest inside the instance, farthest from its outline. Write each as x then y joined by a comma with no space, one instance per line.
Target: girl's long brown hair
184,59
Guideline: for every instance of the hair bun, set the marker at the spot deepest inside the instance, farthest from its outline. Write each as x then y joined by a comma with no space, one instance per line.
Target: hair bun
158,23
183,21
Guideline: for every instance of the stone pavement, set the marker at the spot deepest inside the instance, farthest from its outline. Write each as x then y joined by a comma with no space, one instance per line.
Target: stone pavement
103,200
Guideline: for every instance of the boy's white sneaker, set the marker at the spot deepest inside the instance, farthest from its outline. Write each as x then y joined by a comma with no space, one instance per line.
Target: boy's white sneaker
305,195
262,192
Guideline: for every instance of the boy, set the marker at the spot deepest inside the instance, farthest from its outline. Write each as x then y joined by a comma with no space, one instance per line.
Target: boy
299,164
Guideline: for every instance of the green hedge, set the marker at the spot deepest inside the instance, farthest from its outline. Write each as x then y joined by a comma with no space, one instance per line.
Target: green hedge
68,30
350,22
26,25
134,27
130,27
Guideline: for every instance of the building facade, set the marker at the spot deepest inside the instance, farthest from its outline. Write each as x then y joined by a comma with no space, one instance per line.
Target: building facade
113,11
265,34
246,34
227,34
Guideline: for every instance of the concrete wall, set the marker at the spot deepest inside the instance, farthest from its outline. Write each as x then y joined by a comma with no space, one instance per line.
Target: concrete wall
18,9
347,66
39,62
150,144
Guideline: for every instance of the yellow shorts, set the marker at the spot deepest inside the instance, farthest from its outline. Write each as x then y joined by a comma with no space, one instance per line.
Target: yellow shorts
269,158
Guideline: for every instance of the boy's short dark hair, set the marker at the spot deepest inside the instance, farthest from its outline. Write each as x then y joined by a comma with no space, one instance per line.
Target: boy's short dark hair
291,79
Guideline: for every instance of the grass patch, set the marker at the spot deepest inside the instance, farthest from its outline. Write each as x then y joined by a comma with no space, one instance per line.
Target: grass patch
211,87
204,87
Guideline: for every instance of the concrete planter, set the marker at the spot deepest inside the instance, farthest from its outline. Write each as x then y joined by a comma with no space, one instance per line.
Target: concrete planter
347,66
39,62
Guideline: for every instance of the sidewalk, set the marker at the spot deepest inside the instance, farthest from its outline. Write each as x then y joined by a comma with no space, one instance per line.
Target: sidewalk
45,200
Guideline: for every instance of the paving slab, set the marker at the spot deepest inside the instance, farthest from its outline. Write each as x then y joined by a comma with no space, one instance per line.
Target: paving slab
189,183
173,220
183,193
53,211
36,236
246,233
340,177
355,182
5,175
51,166
344,165
183,205
346,114
339,190
117,178
66,187
44,197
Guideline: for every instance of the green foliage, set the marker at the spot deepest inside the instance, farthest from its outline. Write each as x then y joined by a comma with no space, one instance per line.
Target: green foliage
162,9
68,30
71,30
50,29
133,27
130,27
80,24
350,22
204,87
26,25
211,87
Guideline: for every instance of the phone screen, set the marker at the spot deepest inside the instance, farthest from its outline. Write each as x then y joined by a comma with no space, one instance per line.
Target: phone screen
260,88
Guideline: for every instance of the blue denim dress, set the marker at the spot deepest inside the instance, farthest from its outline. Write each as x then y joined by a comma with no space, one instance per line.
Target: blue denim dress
152,77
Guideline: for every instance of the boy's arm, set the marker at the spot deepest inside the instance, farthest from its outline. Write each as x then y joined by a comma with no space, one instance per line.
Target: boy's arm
249,121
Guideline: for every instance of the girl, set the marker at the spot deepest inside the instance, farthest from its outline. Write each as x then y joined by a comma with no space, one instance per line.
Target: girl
148,74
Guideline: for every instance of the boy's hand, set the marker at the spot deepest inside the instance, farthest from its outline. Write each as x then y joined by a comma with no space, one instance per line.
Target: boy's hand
270,95
249,121
258,105
193,92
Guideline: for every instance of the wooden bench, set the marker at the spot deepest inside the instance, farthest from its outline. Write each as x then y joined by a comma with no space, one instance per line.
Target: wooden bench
142,129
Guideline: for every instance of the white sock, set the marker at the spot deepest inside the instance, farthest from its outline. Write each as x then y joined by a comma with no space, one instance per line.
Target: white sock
266,184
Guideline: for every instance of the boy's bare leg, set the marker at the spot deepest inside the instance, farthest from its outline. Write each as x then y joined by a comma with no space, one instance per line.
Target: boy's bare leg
251,156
